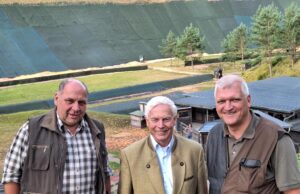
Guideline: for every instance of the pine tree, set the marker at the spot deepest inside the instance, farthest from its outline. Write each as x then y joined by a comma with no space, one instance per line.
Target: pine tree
265,30
191,42
168,47
235,43
291,30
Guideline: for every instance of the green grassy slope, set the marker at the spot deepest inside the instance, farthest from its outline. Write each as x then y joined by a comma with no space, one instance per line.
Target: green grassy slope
45,90
39,38
282,68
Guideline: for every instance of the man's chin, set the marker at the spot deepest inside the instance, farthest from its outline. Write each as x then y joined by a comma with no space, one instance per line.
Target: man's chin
230,122
72,123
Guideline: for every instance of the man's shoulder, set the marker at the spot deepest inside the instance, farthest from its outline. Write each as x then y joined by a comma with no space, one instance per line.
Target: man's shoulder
218,128
96,122
272,127
184,142
93,123
187,147
266,122
140,144
40,117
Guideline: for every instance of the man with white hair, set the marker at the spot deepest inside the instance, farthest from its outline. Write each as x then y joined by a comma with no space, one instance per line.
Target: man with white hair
163,162
247,153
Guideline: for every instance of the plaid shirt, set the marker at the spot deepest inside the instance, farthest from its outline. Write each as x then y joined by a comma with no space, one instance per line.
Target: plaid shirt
80,165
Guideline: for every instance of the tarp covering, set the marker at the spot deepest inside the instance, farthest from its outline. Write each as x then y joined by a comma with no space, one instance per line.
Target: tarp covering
114,93
131,105
60,37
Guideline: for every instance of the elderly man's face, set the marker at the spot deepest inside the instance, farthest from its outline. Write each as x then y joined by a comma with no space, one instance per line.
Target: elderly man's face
71,104
160,122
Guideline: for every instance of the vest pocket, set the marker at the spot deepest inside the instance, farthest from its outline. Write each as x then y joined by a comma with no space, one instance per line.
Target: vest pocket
40,157
250,178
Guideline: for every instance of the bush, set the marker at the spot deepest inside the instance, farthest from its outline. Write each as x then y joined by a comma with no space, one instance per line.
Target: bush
252,62
203,61
276,60
228,57
256,61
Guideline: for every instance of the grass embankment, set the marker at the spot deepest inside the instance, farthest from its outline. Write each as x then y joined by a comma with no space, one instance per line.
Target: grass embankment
45,90
282,68
176,65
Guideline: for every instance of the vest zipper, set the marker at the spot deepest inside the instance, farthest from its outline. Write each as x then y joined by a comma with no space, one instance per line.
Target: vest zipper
227,162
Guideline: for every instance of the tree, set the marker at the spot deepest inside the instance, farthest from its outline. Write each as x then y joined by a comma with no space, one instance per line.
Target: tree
191,42
265,30
168,47
235,43
291,30
229,49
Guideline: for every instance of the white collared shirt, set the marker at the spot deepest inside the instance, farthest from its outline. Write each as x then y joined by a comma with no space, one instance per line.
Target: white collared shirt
165,162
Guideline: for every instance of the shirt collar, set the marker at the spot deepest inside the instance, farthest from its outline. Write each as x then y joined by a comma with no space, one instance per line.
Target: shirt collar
82,126
156,145
250,131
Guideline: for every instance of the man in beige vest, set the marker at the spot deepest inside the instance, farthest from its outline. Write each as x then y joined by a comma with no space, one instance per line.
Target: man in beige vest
162,163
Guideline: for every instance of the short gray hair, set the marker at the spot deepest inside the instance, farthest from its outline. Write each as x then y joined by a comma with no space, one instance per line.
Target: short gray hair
160,100
64,82
229,80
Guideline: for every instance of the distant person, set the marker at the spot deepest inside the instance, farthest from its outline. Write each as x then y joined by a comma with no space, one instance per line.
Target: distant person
163,162
247,153
190,131
220,72
62,151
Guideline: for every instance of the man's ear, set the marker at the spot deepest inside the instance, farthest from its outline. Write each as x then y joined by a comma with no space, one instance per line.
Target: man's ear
249,100
146,121
55,99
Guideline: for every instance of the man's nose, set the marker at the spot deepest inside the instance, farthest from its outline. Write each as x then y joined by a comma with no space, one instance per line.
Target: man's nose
228,105
76,106
160,123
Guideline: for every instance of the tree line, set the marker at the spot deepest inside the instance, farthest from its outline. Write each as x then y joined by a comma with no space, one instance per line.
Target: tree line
270,30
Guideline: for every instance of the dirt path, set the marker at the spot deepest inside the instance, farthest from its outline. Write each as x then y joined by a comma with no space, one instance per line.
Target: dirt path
120,140
125,137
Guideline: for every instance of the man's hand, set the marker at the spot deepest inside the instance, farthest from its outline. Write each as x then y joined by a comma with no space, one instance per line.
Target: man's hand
108,185
292,191
11,188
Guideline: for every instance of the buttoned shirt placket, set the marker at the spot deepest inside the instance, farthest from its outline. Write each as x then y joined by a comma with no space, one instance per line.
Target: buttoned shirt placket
164,155
81,162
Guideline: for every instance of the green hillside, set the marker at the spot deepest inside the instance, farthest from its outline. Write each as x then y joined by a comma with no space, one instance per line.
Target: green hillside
36,38
282,68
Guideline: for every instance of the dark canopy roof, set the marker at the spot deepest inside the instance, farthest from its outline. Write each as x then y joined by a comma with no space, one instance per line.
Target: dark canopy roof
281,94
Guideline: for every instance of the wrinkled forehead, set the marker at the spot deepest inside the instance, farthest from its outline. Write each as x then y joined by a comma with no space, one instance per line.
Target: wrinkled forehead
160,110
232,85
